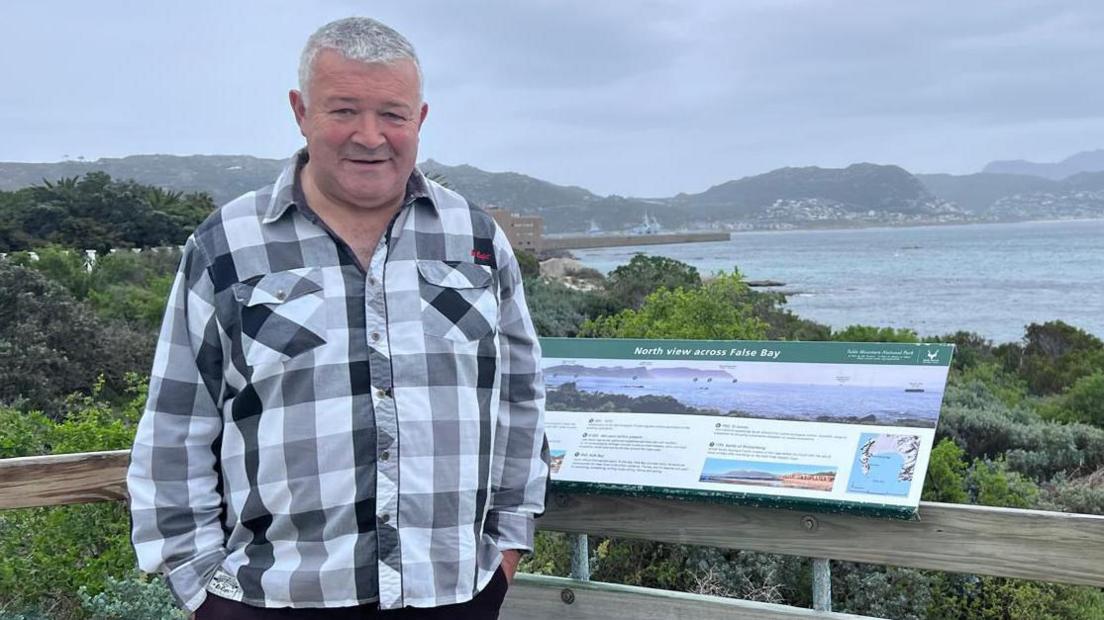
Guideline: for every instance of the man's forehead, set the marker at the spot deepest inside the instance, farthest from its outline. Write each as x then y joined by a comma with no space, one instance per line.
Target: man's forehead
346,77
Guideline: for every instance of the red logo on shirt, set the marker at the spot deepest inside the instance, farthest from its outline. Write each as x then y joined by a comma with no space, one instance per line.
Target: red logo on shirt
480,255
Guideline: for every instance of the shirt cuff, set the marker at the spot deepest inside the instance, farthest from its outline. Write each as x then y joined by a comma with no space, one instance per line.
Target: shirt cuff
188,582
510,530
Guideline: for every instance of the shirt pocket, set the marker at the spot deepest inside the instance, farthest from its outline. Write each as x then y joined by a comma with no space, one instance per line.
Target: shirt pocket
282,315
457,299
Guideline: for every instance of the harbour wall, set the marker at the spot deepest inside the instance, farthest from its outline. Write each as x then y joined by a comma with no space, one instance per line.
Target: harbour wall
609,241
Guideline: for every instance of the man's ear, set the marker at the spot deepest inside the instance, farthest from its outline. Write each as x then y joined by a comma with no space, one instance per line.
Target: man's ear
422,114
298,108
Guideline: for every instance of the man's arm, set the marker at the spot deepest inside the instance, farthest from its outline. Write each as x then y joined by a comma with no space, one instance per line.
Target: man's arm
520,461
172,482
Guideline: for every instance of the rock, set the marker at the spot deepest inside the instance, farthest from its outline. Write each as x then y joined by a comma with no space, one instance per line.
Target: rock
560,267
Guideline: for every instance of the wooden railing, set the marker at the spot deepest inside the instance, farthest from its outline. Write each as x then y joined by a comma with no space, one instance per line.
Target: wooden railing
1004,542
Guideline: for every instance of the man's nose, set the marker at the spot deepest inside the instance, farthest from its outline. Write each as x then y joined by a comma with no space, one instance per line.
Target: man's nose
369,132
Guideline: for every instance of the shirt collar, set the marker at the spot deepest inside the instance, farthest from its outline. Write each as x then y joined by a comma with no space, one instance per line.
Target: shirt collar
288,190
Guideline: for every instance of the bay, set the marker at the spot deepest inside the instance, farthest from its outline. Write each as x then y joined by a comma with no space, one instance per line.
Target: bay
991,279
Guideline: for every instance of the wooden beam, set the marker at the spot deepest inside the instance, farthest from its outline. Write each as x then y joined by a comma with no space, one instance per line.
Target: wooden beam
536,597
63,479
1004,542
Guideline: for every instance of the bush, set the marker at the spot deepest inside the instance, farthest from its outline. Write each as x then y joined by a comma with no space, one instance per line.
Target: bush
881,592
528,264
1082,402
630,284
134,597
51,345
66,548
991,484
720,309
866,333
559,310
1081,495
1055,355
946,479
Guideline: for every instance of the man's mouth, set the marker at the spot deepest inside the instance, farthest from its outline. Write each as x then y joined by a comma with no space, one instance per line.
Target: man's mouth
367,162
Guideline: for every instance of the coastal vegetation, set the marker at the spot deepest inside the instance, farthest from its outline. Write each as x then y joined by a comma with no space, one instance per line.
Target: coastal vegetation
1022,423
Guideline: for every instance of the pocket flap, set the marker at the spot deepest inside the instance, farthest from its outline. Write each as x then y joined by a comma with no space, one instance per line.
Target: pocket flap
455,274
276,288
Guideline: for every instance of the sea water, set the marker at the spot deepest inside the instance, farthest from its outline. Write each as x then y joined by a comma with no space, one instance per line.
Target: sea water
991,279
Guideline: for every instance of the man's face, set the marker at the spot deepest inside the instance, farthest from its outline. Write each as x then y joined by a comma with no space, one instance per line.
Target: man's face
361,127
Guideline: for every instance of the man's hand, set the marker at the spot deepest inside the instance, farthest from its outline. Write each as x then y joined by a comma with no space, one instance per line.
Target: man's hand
510,559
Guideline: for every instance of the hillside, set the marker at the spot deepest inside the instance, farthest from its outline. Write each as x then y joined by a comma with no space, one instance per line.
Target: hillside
860,192
858,195
564,208
990,196
1085,161
224,177
975,192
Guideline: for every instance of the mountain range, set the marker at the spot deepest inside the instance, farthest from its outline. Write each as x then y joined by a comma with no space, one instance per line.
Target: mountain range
860,194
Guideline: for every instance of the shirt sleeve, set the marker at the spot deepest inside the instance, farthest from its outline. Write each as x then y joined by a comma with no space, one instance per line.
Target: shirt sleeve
175,503
520,470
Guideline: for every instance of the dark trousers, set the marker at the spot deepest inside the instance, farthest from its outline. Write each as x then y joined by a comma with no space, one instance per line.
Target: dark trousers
484,606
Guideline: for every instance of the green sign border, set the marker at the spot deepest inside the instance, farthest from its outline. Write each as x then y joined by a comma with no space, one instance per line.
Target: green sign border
785,351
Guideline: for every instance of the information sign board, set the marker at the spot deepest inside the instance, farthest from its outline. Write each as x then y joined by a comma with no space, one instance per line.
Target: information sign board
824,425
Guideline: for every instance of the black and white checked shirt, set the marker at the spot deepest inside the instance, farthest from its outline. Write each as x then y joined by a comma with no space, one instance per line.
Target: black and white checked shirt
320,434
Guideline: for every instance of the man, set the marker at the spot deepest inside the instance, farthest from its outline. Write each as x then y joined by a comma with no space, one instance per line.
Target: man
345,410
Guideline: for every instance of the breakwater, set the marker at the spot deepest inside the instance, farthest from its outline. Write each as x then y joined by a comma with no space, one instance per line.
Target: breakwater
610,241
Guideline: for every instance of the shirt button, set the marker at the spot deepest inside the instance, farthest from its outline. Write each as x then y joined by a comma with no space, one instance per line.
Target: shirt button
383,393
385,455
280,294
375,336
384,518
371,281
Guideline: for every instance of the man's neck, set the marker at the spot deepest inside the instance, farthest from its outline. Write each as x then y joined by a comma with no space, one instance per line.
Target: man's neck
359,227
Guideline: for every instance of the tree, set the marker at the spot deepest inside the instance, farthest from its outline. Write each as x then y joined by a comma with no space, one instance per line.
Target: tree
95,212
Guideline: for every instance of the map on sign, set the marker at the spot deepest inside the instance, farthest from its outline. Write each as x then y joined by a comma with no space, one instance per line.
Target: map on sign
832,425
885,464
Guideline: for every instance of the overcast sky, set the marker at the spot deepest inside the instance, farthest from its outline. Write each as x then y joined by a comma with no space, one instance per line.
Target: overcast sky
646,98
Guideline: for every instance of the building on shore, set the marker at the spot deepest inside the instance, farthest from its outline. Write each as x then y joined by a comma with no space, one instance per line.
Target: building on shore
525,232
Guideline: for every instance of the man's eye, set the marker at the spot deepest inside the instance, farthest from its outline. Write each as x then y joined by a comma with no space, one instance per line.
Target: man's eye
394,116
344,112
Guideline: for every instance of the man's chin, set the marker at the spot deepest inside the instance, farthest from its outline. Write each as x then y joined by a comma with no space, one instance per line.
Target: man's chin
372,196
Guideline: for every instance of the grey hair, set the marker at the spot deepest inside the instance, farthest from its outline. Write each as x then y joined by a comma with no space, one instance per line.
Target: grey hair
357,38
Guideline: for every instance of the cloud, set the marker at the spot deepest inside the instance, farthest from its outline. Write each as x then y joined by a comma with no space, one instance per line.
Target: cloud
637,98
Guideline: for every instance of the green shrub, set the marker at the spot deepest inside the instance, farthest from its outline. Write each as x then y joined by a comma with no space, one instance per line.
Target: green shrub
866,333
1055,355
630,284
559,310
719,309
991,484
50,554
1083,495
881,592
946,479
133,597
23,433
52,345
528,264
1082,402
